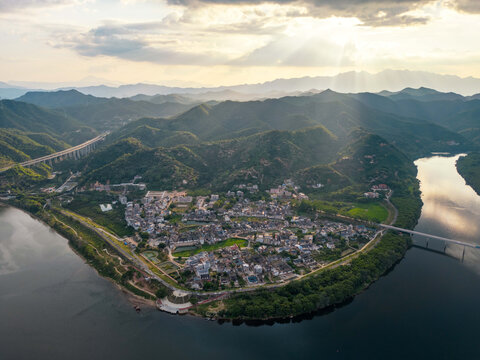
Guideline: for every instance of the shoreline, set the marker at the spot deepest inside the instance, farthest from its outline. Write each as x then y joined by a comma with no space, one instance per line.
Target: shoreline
131,297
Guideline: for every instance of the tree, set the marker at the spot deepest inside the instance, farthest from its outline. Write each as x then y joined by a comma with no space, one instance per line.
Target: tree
161,292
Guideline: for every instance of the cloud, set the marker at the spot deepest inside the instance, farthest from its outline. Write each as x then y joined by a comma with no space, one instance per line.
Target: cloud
370,12
257,26
287,51
7,6
134,42
469,6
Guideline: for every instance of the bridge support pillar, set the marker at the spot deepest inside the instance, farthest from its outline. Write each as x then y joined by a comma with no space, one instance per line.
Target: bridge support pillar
463,254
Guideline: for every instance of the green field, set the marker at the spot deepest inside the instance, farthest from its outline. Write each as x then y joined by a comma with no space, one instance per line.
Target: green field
371,211
208,247
88,205
151,256
168,267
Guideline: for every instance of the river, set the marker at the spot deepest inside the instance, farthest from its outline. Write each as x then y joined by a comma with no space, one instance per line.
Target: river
54,306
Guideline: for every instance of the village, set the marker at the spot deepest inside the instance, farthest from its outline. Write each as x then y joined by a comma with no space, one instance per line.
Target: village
229,241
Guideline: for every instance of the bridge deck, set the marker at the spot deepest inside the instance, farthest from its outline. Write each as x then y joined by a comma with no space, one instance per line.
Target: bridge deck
430,236
59,153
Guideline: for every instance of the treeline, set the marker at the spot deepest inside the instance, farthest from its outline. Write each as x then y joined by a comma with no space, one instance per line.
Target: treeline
406,199
329,287
469,167
86,242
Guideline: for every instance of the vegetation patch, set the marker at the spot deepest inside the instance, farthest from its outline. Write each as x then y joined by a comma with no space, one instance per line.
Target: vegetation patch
469,168
212,247
371,211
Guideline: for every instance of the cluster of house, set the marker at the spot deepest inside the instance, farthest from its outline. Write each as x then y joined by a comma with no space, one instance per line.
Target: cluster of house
287,190
234,267
374,194
272,256
280,244
259,209
149,215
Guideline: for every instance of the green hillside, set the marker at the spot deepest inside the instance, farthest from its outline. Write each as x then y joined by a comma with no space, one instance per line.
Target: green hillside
59,99
339,113
114,113
262,158
28,117
469,167
152,133
18,146
310,156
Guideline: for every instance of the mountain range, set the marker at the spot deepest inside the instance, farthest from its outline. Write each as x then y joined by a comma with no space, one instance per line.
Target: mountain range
338,139
349,82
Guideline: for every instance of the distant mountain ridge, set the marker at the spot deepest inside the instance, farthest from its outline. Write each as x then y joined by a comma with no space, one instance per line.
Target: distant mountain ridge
392,80
102,113
348,82
59,99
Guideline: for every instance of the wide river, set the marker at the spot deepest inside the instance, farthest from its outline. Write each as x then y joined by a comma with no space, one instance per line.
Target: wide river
54,306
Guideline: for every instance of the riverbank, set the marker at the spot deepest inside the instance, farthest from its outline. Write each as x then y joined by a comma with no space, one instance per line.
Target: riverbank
469,168
99,259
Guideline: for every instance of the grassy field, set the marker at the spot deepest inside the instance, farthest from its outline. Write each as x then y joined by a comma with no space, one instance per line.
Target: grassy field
371,211
207,247
88,204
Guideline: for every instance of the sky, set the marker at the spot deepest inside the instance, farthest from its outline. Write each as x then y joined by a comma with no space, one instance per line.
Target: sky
227,42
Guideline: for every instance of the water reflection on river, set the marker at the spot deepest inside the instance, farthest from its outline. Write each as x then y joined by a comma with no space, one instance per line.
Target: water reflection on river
53,306
451,208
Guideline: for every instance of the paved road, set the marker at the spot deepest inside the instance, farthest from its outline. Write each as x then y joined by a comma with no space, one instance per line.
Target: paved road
395,210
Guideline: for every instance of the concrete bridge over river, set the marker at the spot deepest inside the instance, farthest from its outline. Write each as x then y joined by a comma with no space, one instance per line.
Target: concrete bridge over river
412,232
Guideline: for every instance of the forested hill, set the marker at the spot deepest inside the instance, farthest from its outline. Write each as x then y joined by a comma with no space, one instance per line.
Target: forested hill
29,131
263,158
311,156
339,113
27,117
18,146
102,113
469,168
60,99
